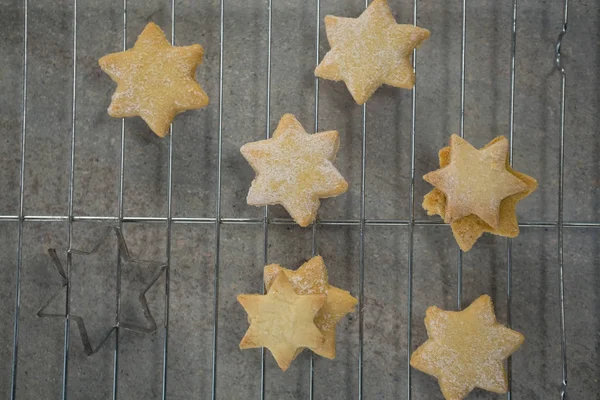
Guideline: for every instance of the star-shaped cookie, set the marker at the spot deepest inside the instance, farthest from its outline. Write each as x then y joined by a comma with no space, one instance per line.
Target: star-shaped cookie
477,191
282,320
155,80
294,169
466,349
369,51
311,278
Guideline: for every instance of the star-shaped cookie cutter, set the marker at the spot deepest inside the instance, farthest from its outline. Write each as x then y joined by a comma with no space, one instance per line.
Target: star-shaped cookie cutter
124,256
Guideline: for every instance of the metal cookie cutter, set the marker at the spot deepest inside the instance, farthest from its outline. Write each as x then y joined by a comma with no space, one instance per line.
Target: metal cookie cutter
125,258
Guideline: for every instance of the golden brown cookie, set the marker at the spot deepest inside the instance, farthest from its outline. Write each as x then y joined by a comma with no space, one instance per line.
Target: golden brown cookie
282,321
311,278
480,170
294,169
155,80
369,51
466,349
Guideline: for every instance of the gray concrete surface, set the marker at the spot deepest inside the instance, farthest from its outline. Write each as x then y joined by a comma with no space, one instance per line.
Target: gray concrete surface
535,312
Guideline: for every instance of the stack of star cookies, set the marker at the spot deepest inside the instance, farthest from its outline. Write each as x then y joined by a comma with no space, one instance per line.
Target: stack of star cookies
300,310
477,191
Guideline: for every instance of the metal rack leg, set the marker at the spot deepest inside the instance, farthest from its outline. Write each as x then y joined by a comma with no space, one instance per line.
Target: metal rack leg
316,125
215,334
265,221
511,128
67,324
563,336
311,392
361,249
169,236
411,220
463,45
115,387
361,252
561,178
15,350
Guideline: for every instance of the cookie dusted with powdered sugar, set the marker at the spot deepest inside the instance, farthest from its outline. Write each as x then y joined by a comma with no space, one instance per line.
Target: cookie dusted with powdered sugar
466,349
294,169
369,51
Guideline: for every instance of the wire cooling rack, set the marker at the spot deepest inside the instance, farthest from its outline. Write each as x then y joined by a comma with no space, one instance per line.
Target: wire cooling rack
217,220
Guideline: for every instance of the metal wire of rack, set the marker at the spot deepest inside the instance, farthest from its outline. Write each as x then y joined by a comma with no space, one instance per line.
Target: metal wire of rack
266,220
